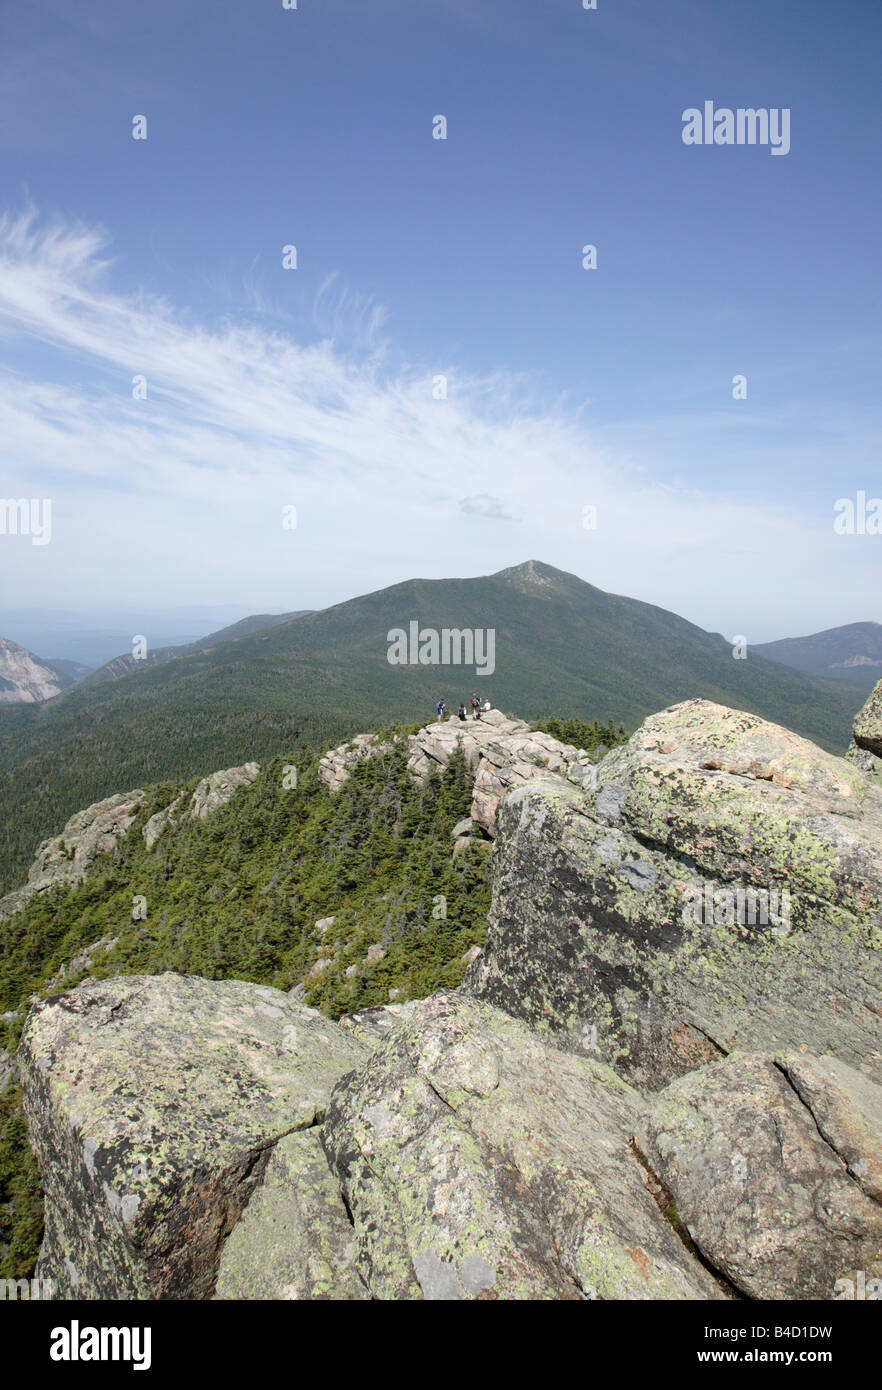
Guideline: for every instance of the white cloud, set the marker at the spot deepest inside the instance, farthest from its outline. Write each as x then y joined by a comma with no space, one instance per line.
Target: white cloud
482,504
180,496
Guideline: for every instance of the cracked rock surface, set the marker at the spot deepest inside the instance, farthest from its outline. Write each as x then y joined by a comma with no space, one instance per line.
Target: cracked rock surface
770,1200
477,1163
294,1240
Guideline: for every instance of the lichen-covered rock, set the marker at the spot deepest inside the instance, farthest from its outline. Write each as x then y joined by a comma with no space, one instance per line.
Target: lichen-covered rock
862,758
847,1108
67,858
739,793
7,1071
765,1192
721,887
153,1103
868,724
373,1026
294,1240
477,1163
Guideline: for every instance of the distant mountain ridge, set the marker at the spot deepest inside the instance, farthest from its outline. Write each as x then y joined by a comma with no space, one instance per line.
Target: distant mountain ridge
155,656
852,654
562,647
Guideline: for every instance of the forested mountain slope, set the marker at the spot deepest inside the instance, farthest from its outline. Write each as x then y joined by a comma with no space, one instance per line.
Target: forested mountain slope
560,646
156,656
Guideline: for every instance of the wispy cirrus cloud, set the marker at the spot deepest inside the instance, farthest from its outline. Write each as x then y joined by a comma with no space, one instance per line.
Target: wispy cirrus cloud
182,492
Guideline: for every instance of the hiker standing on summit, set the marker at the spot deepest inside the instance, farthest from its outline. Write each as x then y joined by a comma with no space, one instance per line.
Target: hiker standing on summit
476,706
440,708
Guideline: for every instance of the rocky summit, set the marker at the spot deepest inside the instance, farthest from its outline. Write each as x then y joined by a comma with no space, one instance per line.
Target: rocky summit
503,753
661,1078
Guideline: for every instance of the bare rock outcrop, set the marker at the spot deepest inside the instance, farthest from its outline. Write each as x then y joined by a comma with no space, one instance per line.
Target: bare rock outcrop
202,1139
479,1164
336,764
216,789
24,678
94,832
868,724
774,1167
68,857
153,1103
503,754
211,793
662,1078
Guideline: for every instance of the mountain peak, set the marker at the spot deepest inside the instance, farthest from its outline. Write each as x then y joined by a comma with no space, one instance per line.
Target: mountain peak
532,571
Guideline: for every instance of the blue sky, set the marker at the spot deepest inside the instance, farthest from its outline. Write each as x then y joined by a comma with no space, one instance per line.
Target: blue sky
418,257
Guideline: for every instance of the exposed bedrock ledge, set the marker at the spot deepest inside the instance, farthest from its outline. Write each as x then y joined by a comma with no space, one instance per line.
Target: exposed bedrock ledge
478,1163
868,724
596,933
197,1137
295,1240
153,1103
774,1166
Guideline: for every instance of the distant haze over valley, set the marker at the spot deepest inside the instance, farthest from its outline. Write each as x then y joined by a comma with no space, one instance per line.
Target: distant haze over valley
94,636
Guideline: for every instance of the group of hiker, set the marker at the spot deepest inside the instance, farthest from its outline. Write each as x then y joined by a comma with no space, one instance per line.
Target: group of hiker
474,705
